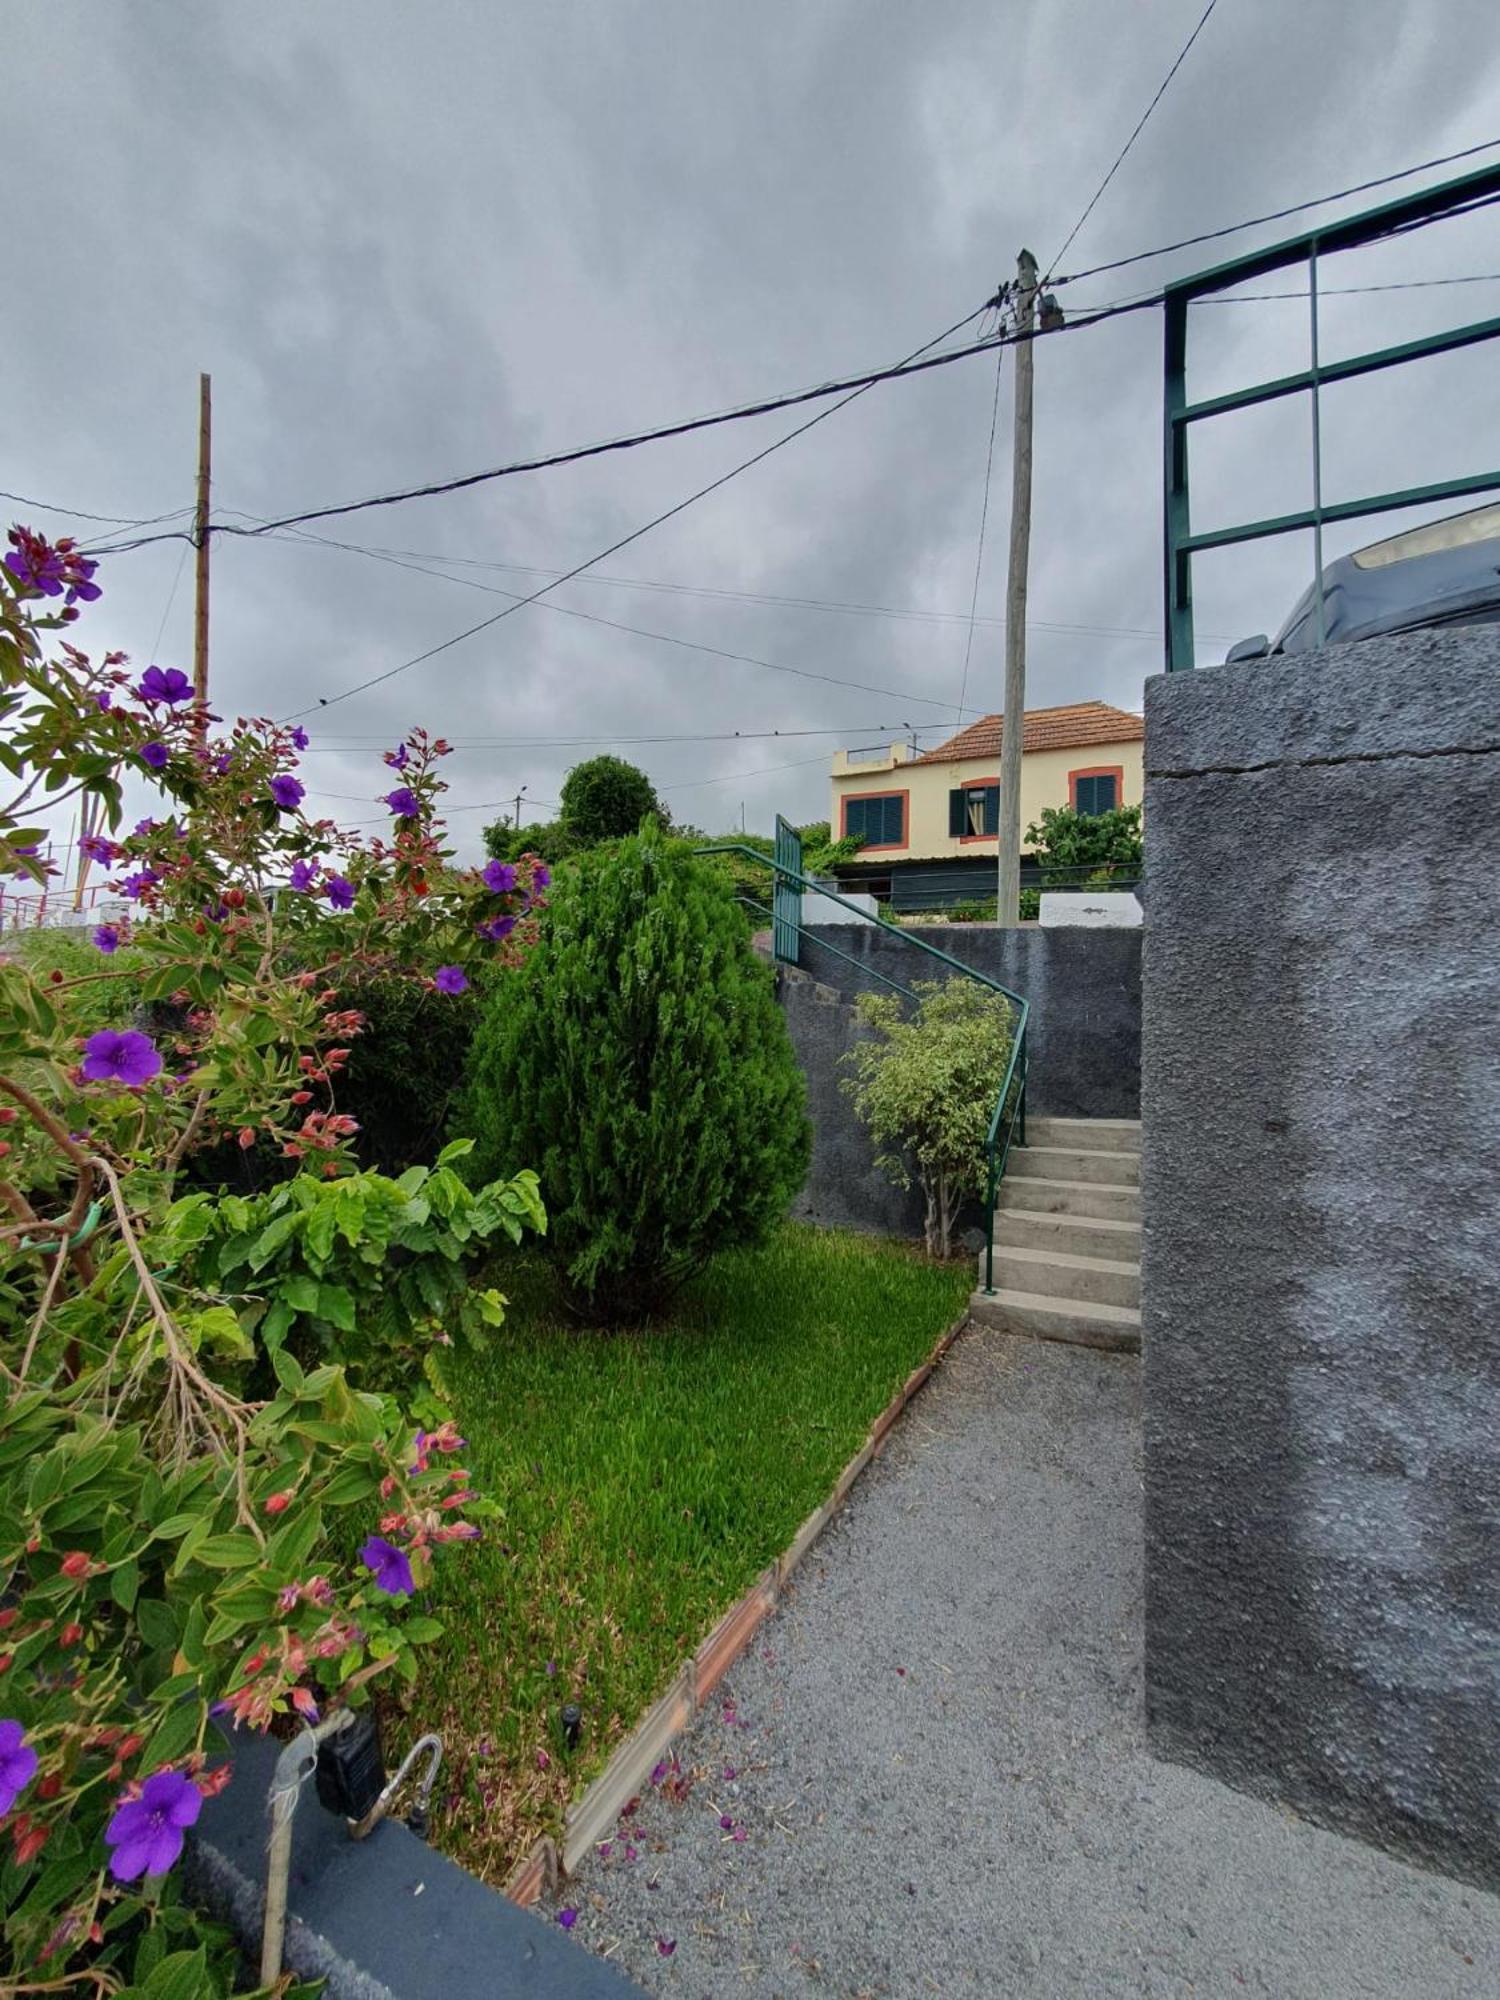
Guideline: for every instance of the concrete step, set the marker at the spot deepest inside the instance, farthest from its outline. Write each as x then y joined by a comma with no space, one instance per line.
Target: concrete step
1104,1281
1095,1135
1118,1204
1070,1235
1073,1163
1042,1317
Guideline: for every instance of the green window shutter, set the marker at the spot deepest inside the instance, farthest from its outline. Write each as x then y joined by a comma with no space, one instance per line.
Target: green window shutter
1095,795
958,813
878,821
992,809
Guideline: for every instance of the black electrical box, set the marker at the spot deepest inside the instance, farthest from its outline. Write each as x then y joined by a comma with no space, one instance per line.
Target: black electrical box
351,1774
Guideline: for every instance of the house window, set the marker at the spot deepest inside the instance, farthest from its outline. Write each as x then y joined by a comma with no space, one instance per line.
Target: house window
877,818
974,812
1094,791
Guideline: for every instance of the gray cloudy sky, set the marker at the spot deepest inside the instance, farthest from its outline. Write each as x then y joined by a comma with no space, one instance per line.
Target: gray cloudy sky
410,240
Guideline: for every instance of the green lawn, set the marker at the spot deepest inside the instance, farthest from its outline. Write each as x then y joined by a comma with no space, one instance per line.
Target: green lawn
645,1479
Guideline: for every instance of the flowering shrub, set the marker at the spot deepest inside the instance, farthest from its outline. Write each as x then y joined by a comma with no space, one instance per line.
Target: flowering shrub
168,1548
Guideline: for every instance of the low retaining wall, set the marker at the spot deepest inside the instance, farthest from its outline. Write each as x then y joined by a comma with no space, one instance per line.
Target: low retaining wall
1084,986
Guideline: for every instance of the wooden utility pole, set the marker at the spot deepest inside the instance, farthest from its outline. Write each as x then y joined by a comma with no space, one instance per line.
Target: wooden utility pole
201,539
1012,739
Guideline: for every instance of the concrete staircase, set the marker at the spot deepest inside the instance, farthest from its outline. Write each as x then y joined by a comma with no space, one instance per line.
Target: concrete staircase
1068,1235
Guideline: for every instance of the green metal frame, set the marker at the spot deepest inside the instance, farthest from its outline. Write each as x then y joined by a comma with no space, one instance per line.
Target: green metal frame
786,893
1007,1124
1470,191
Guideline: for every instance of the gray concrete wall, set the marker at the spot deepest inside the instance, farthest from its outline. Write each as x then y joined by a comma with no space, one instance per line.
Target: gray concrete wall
1321,1102
1084,987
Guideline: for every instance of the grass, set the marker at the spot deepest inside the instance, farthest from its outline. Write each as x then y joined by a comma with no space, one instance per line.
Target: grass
645,1479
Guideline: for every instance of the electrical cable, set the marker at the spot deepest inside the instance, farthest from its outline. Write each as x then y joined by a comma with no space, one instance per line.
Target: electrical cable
1345,291
642,631
1280,214
635,535
77,513
718,593
1182,56
171,600
984,515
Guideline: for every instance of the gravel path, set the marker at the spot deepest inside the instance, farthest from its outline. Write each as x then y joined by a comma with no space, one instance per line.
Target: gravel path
934,1754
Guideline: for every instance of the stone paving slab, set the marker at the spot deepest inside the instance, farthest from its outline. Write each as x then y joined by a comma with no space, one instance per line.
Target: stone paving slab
935,1758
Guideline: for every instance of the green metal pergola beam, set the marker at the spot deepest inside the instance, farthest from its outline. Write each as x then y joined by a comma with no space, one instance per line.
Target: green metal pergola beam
1343,510
1340,371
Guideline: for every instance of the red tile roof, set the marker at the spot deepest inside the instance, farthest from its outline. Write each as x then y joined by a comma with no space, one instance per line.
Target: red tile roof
1076,727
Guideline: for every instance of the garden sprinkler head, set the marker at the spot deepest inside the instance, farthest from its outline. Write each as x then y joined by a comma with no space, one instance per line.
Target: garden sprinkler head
572,1723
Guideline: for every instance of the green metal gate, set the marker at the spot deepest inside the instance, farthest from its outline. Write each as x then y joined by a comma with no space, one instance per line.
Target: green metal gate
786,895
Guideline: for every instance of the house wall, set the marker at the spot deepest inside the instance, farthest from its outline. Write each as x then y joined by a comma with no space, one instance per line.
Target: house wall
1045,776
1321,1186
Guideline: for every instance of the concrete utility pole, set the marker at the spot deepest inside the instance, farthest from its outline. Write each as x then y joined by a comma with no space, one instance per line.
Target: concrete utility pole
201,539
1012,744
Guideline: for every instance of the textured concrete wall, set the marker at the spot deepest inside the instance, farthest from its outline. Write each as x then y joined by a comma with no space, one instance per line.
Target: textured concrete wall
1084,987
1321,1102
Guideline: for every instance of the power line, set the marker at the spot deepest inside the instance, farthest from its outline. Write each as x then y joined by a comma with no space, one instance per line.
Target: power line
1182,56
1344,291
77,513
580,742
718,593
171,599
638,631
856,384
635,534
1280,214
734,777
984,515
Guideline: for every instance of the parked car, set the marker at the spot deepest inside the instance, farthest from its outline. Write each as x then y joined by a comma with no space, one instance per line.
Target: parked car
1447,573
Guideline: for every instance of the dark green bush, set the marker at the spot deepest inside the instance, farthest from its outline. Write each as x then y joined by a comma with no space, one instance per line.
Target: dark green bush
405,1068
638,1060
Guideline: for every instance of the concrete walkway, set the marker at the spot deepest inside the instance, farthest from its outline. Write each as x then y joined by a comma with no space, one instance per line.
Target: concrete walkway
934,1754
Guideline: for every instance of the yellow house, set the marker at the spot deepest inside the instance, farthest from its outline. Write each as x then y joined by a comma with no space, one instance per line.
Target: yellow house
930,819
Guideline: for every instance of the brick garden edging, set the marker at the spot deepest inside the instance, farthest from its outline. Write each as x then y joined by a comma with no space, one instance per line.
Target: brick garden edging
593,1817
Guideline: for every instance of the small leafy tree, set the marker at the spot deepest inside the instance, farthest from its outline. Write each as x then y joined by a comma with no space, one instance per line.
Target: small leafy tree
1072,846
639,1060
606,798
925,1084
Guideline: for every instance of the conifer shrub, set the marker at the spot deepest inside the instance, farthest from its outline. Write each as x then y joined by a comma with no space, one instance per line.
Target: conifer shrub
639,1061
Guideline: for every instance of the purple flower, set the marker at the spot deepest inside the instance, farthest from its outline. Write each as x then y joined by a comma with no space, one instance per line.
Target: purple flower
726,1822
106,939
105,701
221,763
133,885
339,891
157,755
497,929
120,1055
389,1566
567,1918
666,1946
18,1763
658,1772
35,563
541,875
287,793
97,848
142,828
450,979
397,759
551,1669
499,878
403,802
168,684
146,1833
299,737
303,873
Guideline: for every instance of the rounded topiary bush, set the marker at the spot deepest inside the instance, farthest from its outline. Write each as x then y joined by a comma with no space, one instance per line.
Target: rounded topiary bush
638,1060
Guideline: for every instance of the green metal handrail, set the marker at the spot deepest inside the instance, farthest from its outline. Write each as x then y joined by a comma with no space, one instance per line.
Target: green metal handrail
1009,1114
1374,225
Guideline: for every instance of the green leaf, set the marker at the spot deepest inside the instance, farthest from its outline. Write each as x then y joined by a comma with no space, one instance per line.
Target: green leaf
270,1241
288,1371
173,1526
348,1484
421,1631
176,1733
319,1236
276,1325
454,1150
233,1551
336,1305
182,1975
155,1620
300,1291
124,1583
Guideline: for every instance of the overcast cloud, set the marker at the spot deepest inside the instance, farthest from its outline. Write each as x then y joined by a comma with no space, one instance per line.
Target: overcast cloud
411,240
